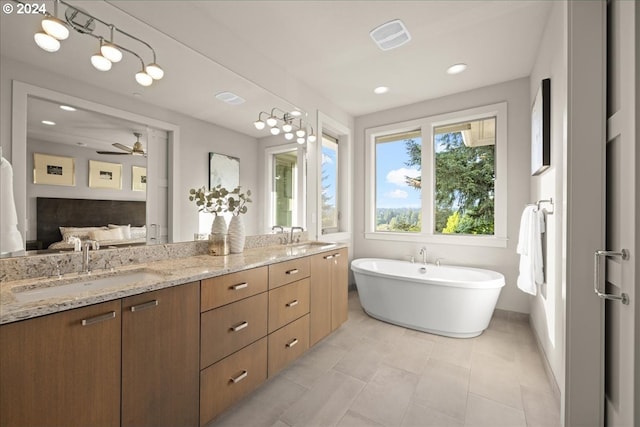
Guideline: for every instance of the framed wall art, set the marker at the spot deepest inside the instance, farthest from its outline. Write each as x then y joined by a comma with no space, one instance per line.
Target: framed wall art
53,170
105,175
224,170
138,178
541,129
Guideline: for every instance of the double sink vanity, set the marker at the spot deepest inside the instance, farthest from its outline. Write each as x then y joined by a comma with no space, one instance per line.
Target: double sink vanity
173,342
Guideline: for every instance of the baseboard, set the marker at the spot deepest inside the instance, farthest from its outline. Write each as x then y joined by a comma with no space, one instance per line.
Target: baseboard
547,367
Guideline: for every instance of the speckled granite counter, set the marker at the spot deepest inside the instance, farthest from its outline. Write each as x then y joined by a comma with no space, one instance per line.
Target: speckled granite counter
155,275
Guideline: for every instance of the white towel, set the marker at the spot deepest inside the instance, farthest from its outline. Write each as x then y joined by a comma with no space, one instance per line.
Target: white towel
530,249
10,237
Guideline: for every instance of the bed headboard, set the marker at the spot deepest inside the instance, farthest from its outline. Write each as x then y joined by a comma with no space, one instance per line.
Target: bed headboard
53,213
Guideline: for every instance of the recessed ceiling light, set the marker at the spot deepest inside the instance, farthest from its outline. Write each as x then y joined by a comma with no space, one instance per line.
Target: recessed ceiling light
48,122
380,90
456,68
230,98
67,108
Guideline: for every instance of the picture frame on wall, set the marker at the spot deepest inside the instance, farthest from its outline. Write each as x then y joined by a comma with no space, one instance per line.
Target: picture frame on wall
224,170
54,170
105,175
541,129
138,178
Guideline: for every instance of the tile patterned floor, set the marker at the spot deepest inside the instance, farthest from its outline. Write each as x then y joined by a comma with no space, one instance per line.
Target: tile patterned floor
370,373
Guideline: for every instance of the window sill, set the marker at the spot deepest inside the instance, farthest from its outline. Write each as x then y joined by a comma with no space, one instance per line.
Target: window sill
461,240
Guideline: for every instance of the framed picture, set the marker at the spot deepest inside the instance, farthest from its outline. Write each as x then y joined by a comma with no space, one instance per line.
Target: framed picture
105,175
138,178
541,129
224,170
53,170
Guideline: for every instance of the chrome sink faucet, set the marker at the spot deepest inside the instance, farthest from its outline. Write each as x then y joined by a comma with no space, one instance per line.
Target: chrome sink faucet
423,252
278,227
88,244
292,229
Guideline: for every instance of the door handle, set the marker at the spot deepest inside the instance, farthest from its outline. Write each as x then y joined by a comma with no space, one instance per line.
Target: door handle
624,254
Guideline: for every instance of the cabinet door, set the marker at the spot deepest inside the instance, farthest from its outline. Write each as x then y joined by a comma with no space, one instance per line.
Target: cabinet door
339,288
62,369
160,357
320,289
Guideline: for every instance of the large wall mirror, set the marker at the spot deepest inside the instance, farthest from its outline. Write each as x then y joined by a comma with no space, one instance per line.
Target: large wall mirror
54,133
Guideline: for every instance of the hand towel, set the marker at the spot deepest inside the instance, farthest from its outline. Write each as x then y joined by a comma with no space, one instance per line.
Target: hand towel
530,250
10,237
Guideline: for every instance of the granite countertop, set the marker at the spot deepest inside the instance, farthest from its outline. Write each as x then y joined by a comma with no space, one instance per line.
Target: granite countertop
20,299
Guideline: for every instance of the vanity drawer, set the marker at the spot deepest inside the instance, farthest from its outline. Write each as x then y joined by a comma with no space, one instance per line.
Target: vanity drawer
227,329
227,381
287,344
288,303
288,271
222,290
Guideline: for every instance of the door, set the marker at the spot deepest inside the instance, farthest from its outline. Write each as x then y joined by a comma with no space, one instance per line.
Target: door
620,356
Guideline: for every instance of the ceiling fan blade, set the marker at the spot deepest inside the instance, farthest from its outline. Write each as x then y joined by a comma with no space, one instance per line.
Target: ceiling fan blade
118,153
123,147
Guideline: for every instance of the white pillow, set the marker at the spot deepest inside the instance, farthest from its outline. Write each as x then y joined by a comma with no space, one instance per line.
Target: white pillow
80,232
139,232
126,230
109,234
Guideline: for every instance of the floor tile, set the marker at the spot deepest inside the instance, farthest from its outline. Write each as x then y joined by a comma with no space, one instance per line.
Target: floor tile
483,412
444,386
540,409
420,416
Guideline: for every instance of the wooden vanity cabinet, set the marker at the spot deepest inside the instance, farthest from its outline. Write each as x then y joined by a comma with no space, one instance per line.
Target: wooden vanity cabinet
339,288
160,357
62,369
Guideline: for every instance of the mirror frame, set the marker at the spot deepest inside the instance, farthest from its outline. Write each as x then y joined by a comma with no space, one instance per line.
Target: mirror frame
21,92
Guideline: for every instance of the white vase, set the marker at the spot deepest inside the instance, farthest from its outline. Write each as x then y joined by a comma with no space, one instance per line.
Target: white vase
236,235
219,225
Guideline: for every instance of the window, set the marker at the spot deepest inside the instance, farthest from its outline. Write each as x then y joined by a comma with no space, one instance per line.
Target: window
436,179
329,184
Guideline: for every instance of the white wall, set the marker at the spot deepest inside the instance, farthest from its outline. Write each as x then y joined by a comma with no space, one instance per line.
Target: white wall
547,308
197,138
504,260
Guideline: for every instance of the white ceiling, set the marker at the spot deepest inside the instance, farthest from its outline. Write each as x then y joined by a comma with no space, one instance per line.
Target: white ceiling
271,52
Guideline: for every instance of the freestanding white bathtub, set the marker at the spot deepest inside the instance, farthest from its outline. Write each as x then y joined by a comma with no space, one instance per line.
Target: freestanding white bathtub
445,300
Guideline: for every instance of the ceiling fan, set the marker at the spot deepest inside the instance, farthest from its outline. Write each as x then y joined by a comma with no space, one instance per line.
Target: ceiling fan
136,150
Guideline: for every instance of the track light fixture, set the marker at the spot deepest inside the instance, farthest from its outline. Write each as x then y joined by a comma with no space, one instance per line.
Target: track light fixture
55,29
292,125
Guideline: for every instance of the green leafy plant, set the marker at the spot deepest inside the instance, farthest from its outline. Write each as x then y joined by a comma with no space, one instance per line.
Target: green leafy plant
212,200
237,201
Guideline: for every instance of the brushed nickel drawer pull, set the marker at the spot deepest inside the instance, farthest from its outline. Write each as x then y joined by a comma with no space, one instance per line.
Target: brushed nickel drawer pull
240,377
148,304
328,257
292,343
239,286
292,303
98,319
291,272
239,326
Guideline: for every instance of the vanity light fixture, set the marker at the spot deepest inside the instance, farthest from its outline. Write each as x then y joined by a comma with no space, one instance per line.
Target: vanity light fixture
289,123
67,108
109,53
48,123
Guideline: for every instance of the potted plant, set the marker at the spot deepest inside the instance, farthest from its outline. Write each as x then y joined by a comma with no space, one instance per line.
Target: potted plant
213,201
237,205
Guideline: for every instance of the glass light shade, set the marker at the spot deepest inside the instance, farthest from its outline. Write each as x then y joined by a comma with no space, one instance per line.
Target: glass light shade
100,62
311,138
46,42
271,121
143,78
300,141
154,71
288,136
300,133
287,127
259,124
55,28
109,51
274,130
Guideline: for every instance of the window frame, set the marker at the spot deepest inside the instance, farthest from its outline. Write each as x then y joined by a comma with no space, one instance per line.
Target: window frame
336,140
427,125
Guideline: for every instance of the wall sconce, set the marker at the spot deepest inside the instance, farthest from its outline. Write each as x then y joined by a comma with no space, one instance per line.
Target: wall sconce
289,123
55,30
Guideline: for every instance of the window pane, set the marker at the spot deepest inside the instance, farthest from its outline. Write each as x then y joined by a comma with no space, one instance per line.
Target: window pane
285,188
465,177
398,182
329,192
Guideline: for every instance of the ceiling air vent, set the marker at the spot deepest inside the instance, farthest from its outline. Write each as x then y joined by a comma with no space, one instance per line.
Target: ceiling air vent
390,35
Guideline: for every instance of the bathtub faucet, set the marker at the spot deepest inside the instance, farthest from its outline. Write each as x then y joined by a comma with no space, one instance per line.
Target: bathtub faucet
423,252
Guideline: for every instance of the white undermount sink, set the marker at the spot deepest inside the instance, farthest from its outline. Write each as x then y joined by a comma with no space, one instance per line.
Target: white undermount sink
79,285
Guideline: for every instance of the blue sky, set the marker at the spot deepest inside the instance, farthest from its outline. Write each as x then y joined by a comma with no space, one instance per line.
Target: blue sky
329,168
391,169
